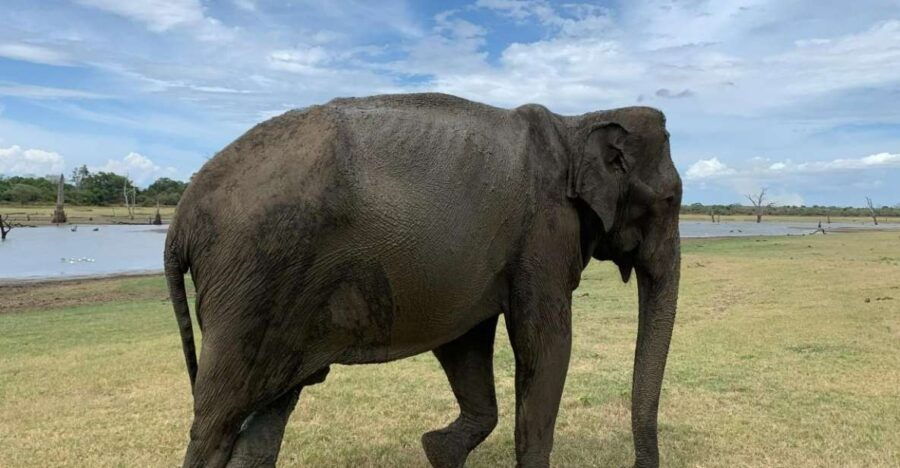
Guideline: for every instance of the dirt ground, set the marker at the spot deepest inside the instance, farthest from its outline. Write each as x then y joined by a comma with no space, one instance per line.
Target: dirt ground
44,295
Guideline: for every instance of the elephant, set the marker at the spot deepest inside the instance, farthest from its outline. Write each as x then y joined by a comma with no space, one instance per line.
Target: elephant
372,229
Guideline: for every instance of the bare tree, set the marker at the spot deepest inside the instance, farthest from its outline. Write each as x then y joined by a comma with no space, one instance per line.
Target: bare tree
872,210
5,226
157,219
59,215
129,205
759,204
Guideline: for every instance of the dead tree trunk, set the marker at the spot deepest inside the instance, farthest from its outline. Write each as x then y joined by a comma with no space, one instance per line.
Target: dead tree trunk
872,210
128,205
759,204
157,219
5,227
59,215
125,197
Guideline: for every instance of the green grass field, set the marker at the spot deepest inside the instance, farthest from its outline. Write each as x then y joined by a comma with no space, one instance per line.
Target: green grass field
786,354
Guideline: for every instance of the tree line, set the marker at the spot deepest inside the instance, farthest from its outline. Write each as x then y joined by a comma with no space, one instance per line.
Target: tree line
84,187
788,210
106,188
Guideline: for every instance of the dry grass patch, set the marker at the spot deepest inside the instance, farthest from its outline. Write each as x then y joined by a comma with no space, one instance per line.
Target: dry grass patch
40,215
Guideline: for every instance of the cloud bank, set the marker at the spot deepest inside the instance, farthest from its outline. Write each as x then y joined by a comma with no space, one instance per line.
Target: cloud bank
801,84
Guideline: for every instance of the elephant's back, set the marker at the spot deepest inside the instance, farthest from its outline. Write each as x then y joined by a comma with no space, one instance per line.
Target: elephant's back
430,198
267,196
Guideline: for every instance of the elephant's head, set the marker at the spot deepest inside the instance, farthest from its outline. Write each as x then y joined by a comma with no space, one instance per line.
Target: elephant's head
623,172
628,192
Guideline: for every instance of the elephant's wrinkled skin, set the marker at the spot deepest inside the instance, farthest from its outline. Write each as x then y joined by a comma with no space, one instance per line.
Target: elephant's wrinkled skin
368,230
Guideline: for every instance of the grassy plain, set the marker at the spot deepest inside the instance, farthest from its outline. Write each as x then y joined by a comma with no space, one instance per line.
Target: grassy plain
40,215
786,354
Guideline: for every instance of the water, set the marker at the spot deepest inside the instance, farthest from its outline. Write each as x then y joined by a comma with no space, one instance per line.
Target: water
57,252
731,229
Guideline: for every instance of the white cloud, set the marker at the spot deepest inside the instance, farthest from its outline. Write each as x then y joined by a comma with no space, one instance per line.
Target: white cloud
451,49
785,178
786,198
247,5
141,169
33,53
867,58
707,169
666,23
713,168
804,74
44,92
878,160
17,161
520,9
303,60
881,159
157,15
583,19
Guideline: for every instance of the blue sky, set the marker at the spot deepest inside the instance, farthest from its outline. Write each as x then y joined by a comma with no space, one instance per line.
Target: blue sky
800,97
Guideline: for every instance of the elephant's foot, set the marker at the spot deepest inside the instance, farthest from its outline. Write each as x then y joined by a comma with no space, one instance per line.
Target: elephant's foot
449,447
445,448
244,461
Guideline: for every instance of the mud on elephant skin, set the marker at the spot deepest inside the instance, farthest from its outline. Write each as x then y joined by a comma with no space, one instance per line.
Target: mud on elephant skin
373,229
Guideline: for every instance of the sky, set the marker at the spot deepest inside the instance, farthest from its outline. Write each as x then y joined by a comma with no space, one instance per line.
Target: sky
800,97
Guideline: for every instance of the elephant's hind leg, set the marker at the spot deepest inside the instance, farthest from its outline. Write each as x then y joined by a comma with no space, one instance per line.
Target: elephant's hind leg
259,441
468,363
234,385
221,403
260,438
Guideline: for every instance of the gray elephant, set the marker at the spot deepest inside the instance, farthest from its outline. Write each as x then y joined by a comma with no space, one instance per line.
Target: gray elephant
374,229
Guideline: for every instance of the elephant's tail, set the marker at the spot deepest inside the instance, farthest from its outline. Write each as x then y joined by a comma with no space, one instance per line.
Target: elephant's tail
175,269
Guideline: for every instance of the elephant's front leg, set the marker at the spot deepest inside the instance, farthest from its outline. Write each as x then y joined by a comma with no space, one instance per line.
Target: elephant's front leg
540,332
468,362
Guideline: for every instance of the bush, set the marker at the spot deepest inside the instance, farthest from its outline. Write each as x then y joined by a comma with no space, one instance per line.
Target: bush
24,193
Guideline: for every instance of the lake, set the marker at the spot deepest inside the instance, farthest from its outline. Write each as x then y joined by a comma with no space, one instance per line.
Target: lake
58,252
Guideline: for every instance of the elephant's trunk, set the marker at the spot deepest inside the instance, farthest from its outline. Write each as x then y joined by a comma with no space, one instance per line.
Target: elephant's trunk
658,296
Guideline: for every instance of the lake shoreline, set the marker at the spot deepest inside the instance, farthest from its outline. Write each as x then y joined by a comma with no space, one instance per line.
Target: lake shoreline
36,215
62,280
39,281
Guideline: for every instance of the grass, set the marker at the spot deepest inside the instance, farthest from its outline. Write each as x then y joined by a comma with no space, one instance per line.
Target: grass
786,354
40,215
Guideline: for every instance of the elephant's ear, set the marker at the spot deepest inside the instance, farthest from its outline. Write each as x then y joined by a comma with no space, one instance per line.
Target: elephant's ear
600,169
